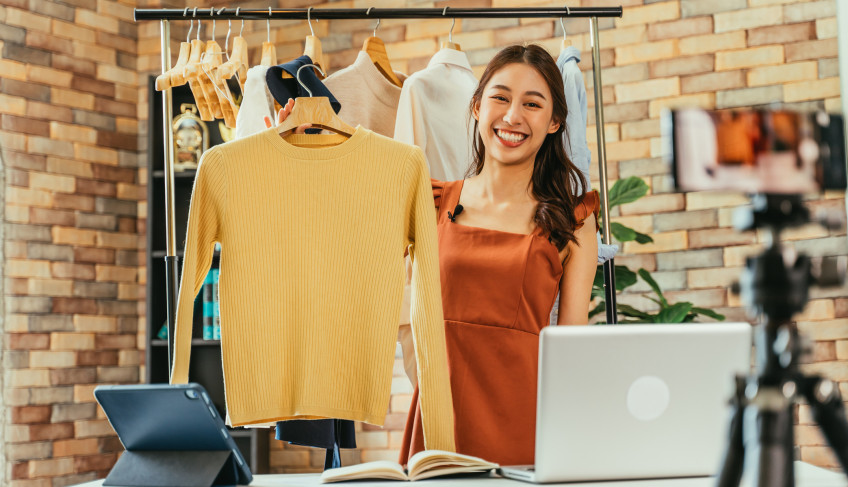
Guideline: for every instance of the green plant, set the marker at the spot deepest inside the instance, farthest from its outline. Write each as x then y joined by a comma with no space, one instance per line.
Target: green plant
626,191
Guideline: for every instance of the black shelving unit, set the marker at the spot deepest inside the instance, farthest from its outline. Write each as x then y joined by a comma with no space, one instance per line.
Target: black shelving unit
205,367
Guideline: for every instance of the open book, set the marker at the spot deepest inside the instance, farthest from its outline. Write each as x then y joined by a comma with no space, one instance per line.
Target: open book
423,465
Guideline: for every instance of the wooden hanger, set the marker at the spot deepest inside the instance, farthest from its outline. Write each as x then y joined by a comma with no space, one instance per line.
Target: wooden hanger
312,48
237,62
376,49
173,77
229,109
450,44
269,52
176,75
190,74
168,78
314,110
211,60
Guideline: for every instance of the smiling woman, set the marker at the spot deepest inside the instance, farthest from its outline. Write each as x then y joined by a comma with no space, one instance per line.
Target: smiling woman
511,236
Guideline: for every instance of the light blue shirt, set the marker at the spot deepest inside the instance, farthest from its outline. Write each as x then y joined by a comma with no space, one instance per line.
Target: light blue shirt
574,136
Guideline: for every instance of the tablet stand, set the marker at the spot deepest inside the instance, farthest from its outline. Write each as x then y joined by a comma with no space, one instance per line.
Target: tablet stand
174,469
761,430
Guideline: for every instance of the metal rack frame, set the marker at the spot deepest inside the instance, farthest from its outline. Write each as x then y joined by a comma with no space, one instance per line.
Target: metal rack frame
164,16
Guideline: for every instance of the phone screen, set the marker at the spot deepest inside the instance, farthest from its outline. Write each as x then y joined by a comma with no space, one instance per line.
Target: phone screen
755,151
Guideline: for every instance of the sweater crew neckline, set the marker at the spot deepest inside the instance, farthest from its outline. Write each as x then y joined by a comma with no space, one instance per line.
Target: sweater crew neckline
323,146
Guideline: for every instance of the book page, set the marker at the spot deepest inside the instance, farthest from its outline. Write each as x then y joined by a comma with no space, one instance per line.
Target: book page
433,463
382,469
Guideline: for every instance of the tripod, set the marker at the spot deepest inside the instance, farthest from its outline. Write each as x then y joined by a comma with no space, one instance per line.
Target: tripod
761,430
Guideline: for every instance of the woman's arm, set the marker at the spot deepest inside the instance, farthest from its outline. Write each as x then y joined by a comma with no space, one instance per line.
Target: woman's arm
575,287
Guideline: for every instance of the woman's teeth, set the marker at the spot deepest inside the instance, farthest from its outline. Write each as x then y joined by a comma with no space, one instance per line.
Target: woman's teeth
510,136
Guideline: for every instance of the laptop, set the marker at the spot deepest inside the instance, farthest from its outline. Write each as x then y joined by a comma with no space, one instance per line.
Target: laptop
173,436
634,401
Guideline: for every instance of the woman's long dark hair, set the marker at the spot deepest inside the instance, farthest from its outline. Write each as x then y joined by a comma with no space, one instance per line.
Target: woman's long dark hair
554,175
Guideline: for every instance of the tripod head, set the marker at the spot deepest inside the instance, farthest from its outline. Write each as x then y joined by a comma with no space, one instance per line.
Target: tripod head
775,284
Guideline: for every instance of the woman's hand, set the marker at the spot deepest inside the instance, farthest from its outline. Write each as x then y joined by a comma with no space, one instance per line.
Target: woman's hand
283,114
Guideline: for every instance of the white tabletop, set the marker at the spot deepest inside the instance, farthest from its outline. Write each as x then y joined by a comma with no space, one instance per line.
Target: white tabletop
806,475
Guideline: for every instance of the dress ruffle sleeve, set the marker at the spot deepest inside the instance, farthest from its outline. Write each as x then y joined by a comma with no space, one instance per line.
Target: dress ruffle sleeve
590,204
438,190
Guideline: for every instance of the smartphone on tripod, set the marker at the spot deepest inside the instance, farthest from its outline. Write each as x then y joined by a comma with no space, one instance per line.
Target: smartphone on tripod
755,151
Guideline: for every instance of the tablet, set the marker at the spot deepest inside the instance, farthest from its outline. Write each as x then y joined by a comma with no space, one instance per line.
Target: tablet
163,417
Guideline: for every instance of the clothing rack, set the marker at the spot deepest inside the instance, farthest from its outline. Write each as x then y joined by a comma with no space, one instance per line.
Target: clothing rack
164,16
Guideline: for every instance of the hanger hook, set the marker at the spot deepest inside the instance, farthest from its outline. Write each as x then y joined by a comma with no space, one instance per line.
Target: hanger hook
453,23
269,23
297,75
212,14
242,21
368,12
309,20
561,23
190,25
193,15
229,30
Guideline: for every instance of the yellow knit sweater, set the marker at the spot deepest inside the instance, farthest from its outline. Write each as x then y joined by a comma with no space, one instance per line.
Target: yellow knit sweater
313,231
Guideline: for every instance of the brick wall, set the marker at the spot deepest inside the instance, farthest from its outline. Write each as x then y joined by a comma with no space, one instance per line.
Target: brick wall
716,54
72,245
73,109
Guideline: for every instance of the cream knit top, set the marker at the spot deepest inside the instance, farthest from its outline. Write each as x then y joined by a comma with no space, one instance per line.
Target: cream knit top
313,231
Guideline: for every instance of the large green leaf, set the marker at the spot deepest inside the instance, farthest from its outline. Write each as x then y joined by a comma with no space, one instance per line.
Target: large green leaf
646,276
627,190
624,278
598,283
634,322
630,311
642,238
708,312
674,313
622,233
600,308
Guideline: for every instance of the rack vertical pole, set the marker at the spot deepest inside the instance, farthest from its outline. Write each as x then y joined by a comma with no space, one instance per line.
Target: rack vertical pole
170,238
609,266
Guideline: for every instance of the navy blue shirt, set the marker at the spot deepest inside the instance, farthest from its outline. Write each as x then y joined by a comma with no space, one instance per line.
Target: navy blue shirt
283,89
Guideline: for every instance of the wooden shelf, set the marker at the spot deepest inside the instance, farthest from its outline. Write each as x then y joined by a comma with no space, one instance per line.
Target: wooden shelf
195,342
159,254
181,174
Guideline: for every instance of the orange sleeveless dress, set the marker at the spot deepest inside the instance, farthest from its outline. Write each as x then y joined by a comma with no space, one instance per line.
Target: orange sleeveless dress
498,290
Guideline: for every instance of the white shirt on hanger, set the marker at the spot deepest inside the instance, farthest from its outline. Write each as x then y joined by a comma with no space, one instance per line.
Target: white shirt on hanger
256,103
433,113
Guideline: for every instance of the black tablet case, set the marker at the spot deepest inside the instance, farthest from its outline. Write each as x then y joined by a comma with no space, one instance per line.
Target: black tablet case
173,436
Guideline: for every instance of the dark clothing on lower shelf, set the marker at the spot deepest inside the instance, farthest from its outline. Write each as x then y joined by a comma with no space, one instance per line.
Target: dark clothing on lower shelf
330,434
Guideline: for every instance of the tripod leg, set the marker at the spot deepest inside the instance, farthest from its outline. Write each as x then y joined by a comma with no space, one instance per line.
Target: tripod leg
774,455
829,412
734,457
